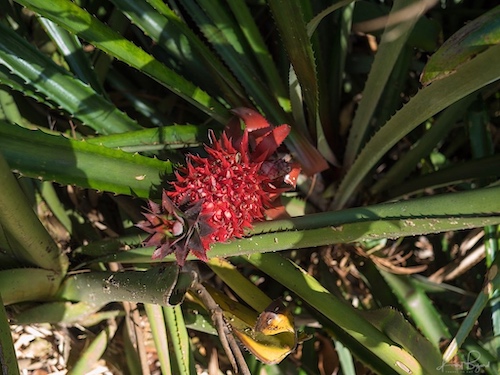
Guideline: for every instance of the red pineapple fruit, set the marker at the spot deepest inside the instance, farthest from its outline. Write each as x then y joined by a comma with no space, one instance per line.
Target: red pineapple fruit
217,197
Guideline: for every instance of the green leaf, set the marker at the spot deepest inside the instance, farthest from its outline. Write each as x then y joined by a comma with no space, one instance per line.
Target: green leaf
243,287
59,86
37,154
331,64
53,201
337,233
26,239
388,51
151,286
290,21
213,18
182,356
132,92
8,359
159,331
468,204
345,317
93,352
16,83
59,312
424,36
95,32
419,307
426,143
172,136
8,108
470,77
397,328
434,214
472,39
472,170
492,284
259,49
71,48
183,45
345,358
28,284
223,40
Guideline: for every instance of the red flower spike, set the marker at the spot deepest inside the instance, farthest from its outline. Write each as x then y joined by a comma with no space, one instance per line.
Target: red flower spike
216,198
